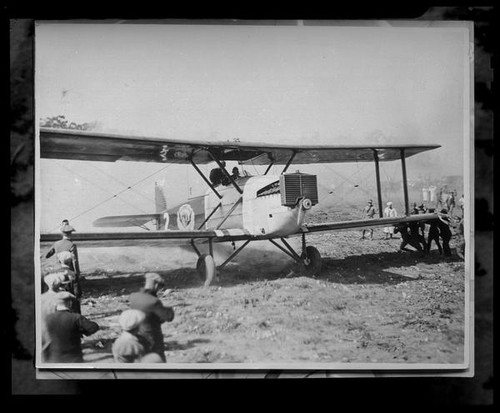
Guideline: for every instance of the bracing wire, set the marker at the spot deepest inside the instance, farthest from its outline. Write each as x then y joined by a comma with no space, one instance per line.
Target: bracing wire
347,180
120,182
114,195
100,187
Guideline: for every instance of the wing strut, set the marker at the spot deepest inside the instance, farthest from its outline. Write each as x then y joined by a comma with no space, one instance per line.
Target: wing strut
194,247
289,161
291,253
230,212
405,183
226,174
234,254
377,177
205,178
269,167
271,163
210,215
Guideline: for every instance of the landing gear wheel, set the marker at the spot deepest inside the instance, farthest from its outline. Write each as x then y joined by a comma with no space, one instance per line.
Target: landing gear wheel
206,268
311,259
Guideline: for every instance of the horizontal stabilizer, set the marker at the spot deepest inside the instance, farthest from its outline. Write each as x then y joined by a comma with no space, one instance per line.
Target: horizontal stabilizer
125,220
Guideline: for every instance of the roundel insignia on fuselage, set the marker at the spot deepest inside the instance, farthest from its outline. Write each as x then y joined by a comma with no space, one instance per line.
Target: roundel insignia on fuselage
185,218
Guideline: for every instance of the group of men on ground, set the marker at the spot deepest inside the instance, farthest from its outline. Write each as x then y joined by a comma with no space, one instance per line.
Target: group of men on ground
63,325
414,233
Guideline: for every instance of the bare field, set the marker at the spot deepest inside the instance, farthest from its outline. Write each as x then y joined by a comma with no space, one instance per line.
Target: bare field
370,303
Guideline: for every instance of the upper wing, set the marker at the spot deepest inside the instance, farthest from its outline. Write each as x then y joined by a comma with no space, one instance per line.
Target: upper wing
94,146
375,222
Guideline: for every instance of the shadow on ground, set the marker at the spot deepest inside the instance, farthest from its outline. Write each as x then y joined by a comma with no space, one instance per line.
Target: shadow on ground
360,269
176,346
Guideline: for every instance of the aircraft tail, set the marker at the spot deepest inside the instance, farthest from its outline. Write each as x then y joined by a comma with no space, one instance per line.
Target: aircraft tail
160,205
160,199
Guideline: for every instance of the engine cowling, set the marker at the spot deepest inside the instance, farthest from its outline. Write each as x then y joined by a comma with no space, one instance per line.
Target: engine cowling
296,187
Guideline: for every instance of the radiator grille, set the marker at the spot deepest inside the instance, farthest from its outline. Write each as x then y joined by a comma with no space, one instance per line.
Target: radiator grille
295,186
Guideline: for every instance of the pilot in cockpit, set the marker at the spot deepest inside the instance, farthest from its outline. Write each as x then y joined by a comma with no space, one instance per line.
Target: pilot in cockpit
236,173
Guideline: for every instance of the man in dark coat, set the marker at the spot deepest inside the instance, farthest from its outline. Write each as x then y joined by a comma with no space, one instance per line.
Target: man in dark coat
433,235
156,313
443,224
416,235
61,340
408,238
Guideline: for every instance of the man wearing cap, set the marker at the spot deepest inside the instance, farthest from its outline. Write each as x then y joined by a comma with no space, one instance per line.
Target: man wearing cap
55,282
156,313
130,346
49,299
66,261
64,244
389,212
368,213
67,255
61,342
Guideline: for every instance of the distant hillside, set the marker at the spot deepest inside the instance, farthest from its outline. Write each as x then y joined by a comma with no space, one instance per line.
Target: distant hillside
350,198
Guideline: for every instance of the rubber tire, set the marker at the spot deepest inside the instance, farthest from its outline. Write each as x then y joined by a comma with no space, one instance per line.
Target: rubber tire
314,257
206,268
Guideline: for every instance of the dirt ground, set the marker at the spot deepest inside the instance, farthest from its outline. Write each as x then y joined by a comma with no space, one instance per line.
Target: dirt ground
370,303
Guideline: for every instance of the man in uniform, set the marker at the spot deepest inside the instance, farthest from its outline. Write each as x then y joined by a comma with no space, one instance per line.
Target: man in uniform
368,213
61,248
146,300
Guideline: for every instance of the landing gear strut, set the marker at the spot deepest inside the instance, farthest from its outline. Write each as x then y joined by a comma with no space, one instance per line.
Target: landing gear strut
310,258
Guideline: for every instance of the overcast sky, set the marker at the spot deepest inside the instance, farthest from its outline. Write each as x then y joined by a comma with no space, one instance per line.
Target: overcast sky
286,84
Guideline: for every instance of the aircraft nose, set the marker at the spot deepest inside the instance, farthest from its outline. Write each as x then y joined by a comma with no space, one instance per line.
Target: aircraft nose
306,203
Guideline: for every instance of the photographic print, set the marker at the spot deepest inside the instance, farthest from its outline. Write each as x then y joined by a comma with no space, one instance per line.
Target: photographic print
291,195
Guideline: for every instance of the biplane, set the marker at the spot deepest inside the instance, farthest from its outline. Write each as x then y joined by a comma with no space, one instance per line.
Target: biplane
245,208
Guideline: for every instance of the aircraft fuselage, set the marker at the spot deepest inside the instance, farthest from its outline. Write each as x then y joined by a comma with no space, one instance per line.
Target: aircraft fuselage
260,209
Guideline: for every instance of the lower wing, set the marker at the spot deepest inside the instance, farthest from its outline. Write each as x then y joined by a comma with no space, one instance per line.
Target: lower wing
153,238
363,223
177,237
